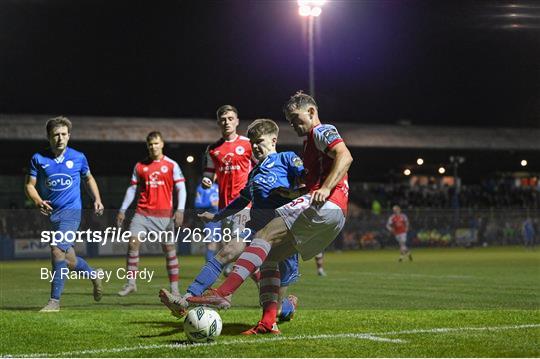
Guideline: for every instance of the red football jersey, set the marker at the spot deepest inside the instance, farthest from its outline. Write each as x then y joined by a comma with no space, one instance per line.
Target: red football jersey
399,223
156,180
230,161
318,164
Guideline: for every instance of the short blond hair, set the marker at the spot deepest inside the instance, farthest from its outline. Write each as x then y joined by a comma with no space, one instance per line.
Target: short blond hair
58,121
261,127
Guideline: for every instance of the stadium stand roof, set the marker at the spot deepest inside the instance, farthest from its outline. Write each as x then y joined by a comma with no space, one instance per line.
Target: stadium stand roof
203,131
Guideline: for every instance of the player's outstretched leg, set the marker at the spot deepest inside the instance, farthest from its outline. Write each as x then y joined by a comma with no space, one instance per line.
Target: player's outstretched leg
274,233
251,259
78,264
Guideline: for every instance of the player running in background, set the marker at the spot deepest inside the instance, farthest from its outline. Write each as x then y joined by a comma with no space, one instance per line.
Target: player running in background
305,225
319,262
157,177
398,225
228,161
54,185
207,200
274,171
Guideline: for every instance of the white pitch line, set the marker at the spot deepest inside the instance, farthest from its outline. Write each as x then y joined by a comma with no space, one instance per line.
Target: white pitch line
368,336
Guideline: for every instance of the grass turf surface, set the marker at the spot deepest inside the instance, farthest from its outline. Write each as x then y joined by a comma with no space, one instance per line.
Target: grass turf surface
448,302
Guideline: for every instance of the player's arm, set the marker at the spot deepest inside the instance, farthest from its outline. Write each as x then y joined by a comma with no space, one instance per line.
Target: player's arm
209,170
181,200
389,224
32,193
234,207
406,220
180,187
342,161
128,199
94,192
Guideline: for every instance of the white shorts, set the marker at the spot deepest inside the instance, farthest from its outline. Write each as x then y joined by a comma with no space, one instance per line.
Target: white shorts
401,238
313,228
141,225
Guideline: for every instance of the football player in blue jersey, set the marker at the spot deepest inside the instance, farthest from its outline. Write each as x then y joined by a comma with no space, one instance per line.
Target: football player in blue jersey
273,173
53,184
207,200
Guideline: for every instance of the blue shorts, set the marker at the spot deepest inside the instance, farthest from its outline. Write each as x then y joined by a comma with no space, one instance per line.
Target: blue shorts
288,270
65,226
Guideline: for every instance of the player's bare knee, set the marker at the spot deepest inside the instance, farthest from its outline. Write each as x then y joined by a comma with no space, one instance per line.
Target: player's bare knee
168,247
57,254
230,252
134,244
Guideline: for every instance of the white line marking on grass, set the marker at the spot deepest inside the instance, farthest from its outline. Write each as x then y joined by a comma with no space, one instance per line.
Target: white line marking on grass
449,330
368,336
443,276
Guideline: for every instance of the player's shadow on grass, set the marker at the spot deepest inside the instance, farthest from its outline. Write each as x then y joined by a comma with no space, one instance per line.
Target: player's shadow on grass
178,327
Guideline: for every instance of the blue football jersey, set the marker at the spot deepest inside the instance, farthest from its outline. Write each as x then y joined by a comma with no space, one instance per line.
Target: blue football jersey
277,170
59,179
207,199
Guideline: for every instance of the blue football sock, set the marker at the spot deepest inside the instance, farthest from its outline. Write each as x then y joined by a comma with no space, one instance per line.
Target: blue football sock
209,254
207,276
287,310
82,266
57,285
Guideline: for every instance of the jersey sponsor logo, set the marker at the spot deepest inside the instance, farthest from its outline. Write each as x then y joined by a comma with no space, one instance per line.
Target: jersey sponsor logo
270,165
164,169
59,182
240,150
154,180
69,164
228,167
45,166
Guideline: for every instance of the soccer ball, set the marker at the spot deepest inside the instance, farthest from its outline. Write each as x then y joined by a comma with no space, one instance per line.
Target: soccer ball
202,325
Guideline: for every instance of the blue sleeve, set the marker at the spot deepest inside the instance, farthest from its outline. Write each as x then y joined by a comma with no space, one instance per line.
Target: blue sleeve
85,169
199,200
33,170
235,206
295,164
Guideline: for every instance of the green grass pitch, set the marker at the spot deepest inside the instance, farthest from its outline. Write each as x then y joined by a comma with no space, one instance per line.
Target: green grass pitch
481,302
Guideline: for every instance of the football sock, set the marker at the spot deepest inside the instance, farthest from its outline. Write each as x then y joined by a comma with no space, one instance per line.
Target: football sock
82,266
132,265
209,254
172,269
57,285
287,308
248,262
269,292
207,276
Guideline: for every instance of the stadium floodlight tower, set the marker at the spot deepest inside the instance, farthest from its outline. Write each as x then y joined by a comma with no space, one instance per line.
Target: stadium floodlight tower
311,9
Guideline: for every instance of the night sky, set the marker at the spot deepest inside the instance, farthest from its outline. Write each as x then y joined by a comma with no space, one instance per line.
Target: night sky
425,62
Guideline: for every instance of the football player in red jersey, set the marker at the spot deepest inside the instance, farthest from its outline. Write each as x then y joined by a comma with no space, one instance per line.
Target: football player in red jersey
228,162
157,177
307,224
398,225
